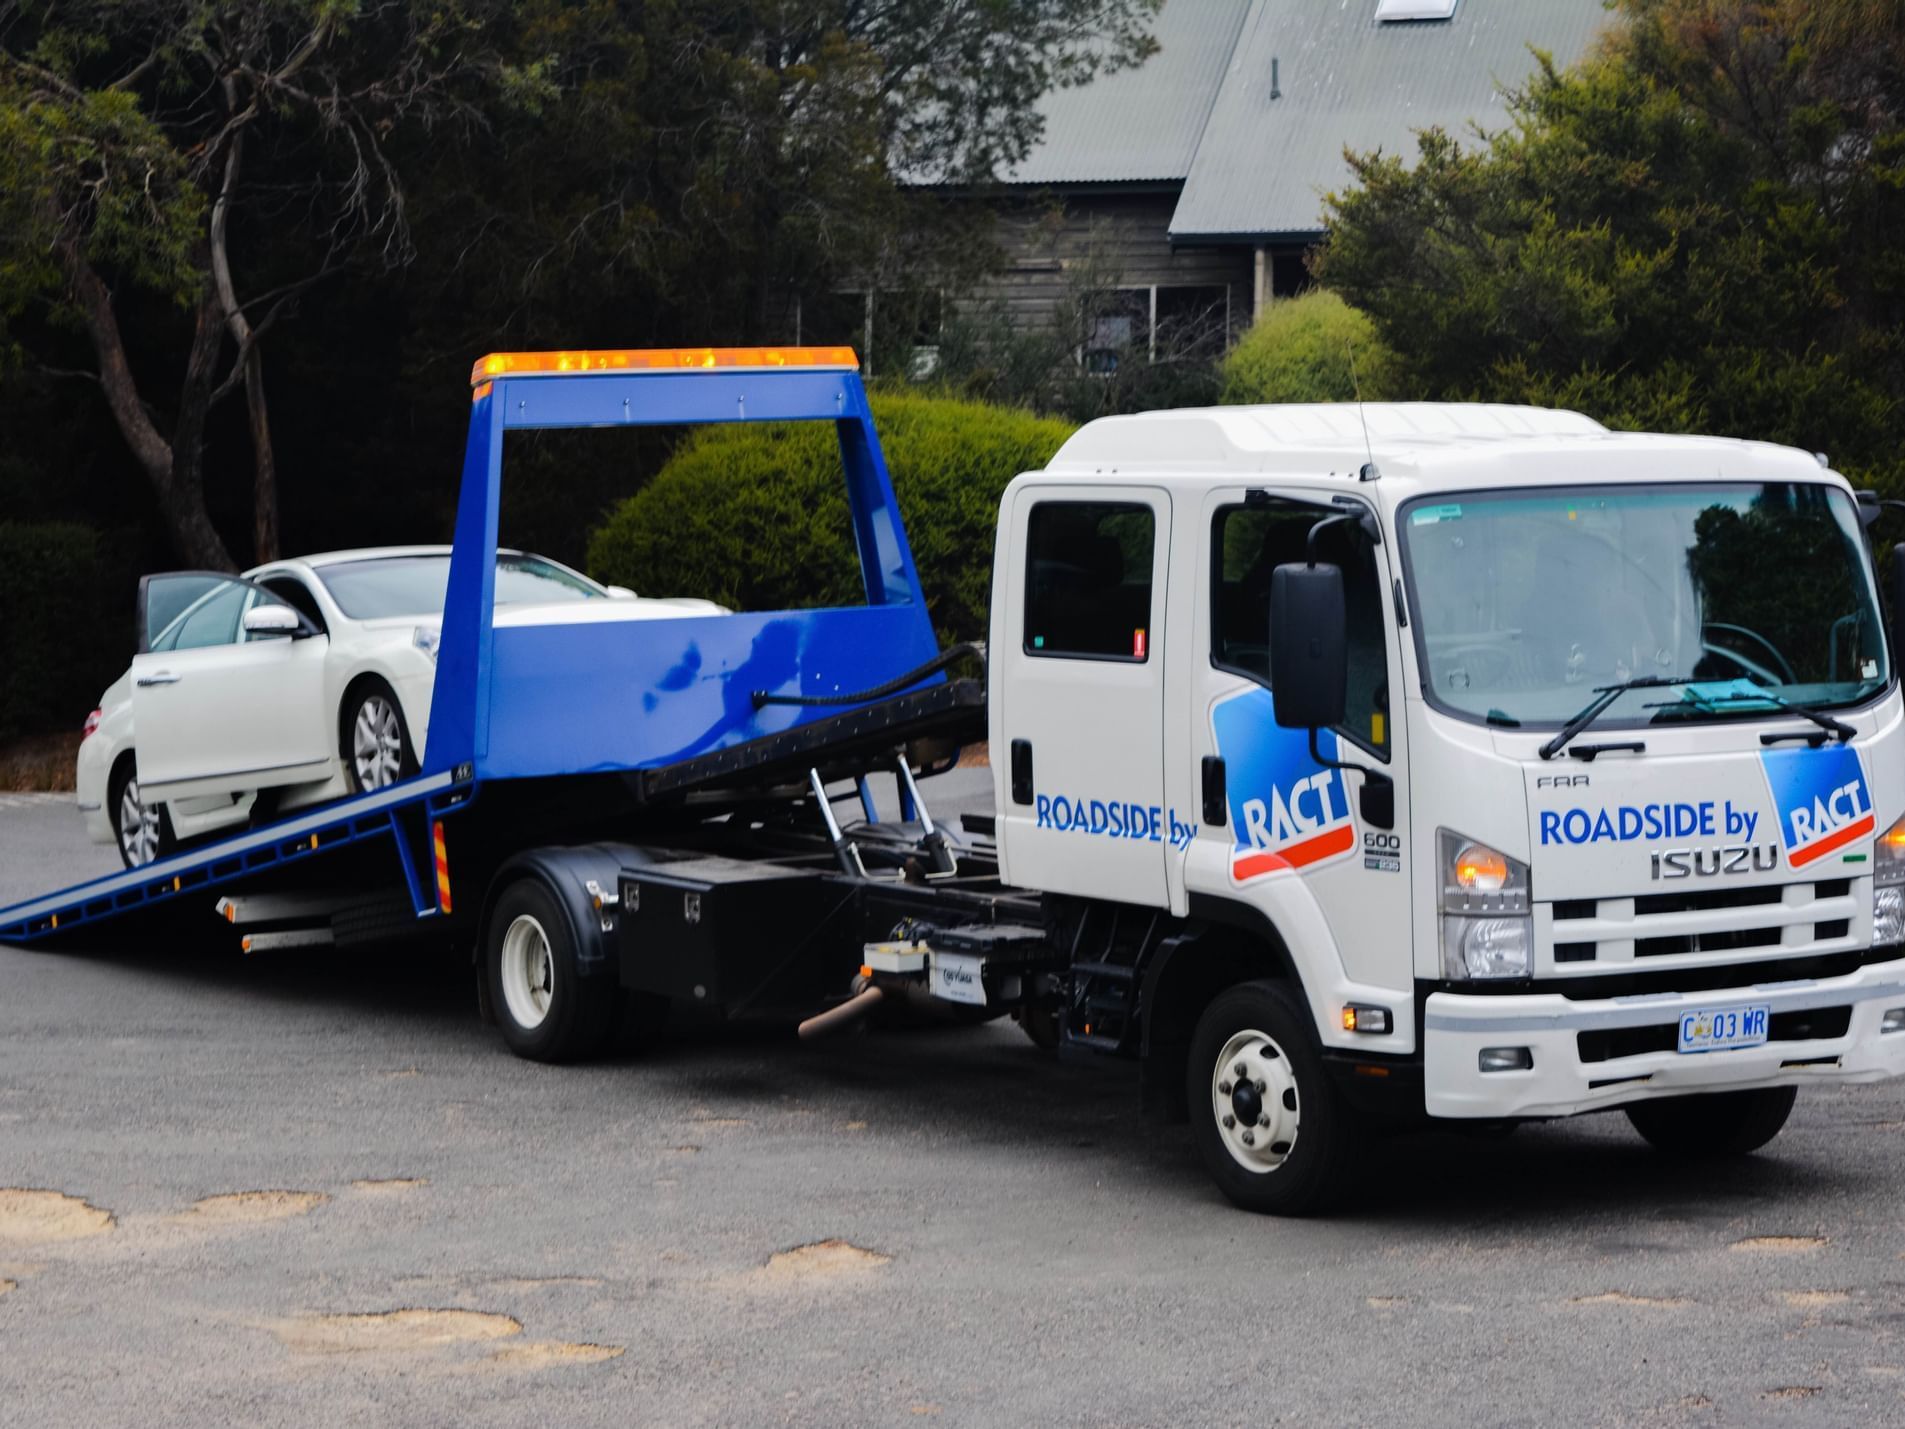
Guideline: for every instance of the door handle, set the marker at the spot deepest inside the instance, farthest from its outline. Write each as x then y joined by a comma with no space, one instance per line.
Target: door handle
1216,794
1021,771
164,677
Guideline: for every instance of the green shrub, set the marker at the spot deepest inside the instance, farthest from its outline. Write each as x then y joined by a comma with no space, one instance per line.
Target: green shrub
756,516
60,643
1299,351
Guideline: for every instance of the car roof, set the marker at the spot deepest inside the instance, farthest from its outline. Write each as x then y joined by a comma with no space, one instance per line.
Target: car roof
365,553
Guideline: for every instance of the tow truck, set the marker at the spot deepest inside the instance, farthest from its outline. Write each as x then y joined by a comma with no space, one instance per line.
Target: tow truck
1352,765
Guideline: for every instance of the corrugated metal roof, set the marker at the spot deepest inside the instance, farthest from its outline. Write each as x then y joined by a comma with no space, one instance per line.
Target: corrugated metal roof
1345,80
1142,123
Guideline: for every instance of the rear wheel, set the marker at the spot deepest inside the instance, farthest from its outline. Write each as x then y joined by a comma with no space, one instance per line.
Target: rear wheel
1269,1125
1713,1125
373,740
546,1009
141,830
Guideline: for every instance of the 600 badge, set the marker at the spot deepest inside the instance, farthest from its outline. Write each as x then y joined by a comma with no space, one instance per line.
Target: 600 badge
1382,852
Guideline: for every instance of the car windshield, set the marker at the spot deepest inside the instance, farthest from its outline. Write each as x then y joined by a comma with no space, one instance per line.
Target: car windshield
1525,601
415,585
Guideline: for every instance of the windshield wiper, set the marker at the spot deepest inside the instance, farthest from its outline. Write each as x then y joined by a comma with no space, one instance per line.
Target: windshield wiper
1824,721
1604,696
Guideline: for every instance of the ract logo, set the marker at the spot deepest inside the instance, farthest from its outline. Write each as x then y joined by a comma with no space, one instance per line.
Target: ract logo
1822,797
1287,810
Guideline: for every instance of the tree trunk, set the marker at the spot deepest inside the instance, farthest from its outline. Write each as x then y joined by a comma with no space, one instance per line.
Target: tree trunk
173,468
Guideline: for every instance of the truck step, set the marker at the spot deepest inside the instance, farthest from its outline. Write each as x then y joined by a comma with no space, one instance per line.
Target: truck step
1096,1041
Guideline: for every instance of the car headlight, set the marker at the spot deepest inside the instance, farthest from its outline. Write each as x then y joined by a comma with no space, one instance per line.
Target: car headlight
1486,928
1888,886
425,638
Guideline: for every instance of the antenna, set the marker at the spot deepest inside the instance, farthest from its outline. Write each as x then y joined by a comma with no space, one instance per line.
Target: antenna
1369,471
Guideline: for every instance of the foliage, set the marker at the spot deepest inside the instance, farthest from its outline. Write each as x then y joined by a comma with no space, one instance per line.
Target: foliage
55,590
1312,348
756,516
1692,229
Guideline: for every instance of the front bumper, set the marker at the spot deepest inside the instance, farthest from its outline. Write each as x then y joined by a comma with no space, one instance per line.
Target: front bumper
1456,1027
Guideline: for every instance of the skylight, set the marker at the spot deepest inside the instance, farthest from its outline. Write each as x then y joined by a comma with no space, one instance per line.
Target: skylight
1392,11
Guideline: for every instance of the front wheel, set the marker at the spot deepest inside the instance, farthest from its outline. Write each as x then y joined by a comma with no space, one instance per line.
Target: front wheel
1712,1125
373,740
1270,1127
547,1010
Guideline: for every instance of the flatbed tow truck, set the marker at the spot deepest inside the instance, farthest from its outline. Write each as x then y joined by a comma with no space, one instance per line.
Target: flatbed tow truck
1351,766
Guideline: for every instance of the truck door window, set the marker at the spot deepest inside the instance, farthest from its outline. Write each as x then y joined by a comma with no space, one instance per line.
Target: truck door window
1088,580
1247,543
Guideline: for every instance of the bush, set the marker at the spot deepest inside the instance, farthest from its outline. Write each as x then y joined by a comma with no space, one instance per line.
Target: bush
756,516
60,643
1299,351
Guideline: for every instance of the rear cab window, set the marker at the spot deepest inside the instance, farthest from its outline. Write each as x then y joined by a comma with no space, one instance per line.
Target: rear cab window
1088,580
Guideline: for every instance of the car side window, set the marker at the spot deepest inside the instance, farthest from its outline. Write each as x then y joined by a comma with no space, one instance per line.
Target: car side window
296,594
1088,580
212,620
1247,544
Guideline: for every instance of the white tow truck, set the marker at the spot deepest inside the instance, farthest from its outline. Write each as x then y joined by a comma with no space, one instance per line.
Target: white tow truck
1475,761
1352,766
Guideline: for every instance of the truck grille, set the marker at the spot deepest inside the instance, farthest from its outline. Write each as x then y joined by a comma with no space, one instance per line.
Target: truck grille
1701,924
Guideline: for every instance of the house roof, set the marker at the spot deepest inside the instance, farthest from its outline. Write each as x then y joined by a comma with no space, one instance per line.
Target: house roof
1201,110
1142,123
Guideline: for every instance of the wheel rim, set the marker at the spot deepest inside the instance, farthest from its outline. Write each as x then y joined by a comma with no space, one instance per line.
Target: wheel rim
138,826
1254,1101
528,973
376,743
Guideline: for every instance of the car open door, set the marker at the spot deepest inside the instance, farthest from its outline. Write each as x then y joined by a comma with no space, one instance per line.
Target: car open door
218,709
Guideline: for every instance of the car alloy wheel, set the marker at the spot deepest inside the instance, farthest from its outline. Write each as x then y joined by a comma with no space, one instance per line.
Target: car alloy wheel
138,827
376,743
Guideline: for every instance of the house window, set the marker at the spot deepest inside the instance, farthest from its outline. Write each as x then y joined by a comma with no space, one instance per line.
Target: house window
899,327
1146,324
1191,322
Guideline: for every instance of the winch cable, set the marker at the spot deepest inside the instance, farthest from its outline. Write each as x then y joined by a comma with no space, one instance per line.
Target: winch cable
950,656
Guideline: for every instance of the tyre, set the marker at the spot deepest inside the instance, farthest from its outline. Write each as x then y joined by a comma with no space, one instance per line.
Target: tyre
1040,1024
1269,1124
373,742
142,831
1712,1125
547,1010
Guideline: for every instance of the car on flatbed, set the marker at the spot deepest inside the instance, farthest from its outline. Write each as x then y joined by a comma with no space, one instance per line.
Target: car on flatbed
299,681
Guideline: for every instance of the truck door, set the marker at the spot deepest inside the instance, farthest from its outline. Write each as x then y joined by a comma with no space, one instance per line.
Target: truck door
1278,813
1081,680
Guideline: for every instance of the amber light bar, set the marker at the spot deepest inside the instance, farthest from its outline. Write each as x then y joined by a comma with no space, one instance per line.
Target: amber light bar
658,359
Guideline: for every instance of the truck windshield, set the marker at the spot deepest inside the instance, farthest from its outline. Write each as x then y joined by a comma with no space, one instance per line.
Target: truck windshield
1525,601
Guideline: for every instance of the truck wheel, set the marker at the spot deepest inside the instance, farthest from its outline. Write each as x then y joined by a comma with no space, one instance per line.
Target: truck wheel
547,1010
1271,1128
1711,1125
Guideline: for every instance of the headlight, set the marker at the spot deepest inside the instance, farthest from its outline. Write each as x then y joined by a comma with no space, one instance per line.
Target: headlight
425,637
1888,886
1888,858
1486,928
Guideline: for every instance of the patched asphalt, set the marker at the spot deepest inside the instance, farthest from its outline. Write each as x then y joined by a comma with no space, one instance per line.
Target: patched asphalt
311,1188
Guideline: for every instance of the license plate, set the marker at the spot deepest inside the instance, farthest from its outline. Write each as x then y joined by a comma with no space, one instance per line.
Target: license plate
1723,1029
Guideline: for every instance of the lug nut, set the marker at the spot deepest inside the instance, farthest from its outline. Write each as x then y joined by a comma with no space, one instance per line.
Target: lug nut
1263,1086
1263,1121
1223,1089
1240,1069
1249,1139
1229,1121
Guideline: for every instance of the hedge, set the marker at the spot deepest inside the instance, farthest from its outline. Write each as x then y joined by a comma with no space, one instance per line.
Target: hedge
756,516
1300,351
61,640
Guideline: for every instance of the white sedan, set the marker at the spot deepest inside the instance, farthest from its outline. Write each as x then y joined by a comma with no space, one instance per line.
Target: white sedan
298,682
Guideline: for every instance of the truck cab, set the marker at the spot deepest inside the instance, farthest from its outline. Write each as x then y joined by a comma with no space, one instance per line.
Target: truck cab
1465,761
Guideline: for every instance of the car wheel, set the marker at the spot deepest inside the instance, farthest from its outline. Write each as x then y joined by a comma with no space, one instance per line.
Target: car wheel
373,740
141,831
1713,1125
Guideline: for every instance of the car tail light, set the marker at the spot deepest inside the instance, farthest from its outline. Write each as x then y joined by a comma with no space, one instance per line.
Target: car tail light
92,723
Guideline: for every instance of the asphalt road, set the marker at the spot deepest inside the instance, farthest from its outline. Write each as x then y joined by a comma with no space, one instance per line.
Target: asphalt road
446,1235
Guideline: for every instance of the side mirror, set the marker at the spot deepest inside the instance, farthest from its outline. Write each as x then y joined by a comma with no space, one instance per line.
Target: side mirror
273,620
1309,639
